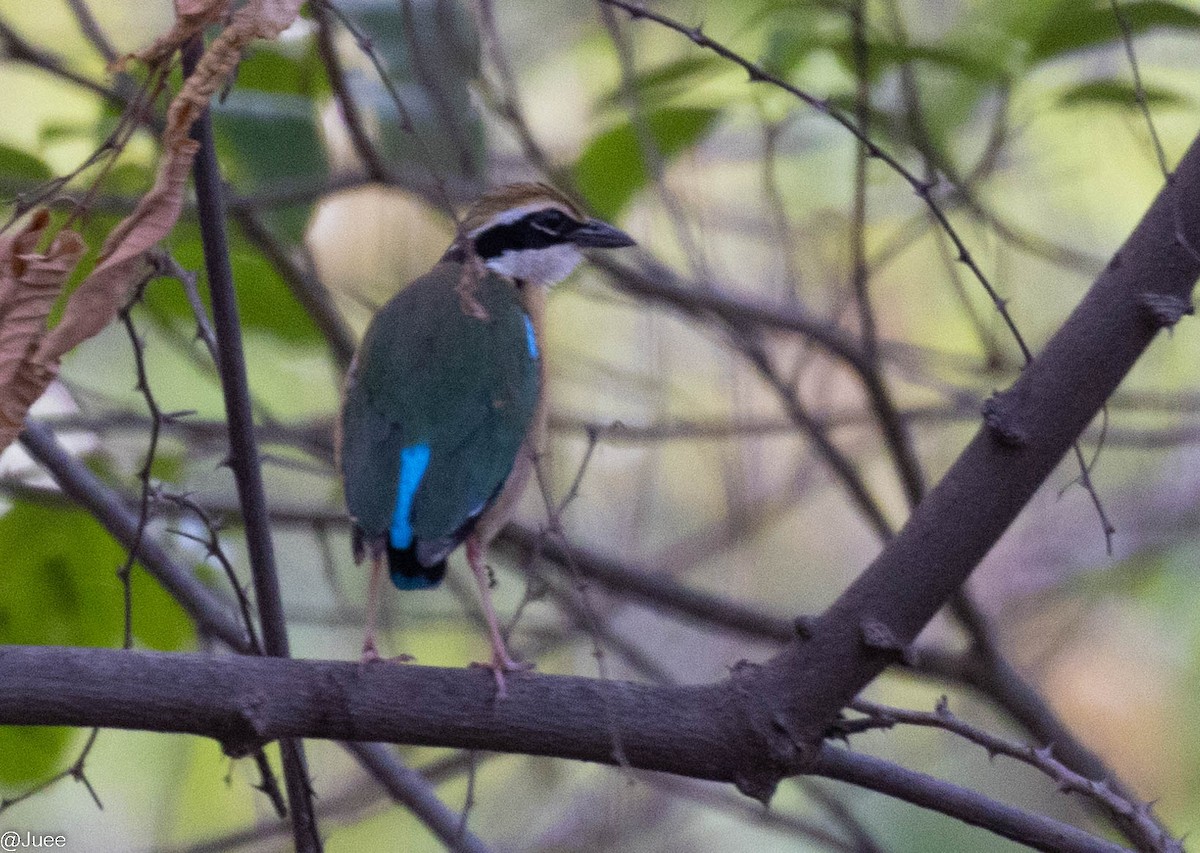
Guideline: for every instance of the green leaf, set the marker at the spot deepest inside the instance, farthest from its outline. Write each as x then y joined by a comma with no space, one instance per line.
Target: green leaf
611,169
431,60
273,68
59,584
443,39
265,301
129,178
1119,93
159,622
786,48
59,587
658,85
32,754
265,140
1074,25
269,137
15,163
882,56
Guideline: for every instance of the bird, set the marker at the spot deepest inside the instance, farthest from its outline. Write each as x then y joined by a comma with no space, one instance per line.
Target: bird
444,402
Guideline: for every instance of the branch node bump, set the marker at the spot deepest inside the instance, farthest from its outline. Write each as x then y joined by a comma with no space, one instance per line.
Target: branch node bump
1164,310
247,730
757,787
1003,424
878,637
804,627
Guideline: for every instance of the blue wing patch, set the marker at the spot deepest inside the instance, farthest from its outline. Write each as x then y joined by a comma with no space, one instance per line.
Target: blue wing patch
414,459
530,338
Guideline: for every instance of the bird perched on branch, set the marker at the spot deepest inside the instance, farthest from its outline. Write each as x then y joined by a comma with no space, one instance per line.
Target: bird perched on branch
445,400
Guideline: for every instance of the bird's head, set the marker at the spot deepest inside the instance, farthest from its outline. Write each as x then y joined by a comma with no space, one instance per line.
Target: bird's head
533,233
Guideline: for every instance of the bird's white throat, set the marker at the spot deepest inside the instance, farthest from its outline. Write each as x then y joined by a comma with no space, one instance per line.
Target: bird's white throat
546,266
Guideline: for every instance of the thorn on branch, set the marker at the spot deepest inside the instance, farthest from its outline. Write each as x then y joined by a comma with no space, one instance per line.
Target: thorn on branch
744,667
756,787
247,735
1002,422
1164,310
879,637
844,727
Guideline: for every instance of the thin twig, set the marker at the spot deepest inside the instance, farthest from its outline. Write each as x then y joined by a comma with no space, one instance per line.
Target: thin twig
243,457
1139,91
167,265
554,530
75,771
92,30
156,419
407,124
364,147
213,549
1149,835
923,189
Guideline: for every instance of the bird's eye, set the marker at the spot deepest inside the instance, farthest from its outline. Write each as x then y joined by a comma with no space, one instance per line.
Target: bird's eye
550,222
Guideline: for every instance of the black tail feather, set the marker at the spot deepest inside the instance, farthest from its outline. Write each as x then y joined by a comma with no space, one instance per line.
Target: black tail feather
408,572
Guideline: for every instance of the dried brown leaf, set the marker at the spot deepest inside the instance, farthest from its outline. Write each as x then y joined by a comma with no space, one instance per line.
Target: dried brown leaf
30,282
97,300
191,17
264,19
22,393
13,247
39,286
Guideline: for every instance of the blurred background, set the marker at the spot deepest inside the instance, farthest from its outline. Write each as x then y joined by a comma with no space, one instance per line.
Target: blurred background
679,442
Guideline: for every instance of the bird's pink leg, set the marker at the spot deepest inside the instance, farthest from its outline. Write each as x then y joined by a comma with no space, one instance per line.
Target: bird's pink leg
370,652
501,661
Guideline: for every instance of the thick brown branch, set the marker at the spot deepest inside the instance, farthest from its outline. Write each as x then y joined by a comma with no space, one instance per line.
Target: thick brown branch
702,732
1027,430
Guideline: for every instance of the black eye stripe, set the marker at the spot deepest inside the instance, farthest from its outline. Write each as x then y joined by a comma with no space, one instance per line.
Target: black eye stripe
538,230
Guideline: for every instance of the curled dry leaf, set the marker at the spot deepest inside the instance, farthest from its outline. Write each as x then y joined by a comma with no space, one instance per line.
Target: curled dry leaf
13,247
98,299
264,19
30,282
191,17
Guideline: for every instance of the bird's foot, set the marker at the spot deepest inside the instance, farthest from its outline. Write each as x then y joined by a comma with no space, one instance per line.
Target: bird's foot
370,655
500,664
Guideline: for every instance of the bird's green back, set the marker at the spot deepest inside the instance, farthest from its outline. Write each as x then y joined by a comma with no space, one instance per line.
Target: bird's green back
428,373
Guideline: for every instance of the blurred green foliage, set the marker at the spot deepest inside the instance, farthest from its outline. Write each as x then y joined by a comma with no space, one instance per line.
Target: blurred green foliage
59,587
1026,91
612,169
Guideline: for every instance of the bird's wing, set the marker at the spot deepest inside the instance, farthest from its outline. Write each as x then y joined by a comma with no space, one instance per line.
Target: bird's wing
430,375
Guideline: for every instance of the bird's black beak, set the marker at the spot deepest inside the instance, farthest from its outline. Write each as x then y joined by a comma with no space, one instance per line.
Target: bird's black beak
595,234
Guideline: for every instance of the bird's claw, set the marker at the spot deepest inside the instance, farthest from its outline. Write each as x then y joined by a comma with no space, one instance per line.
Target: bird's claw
499,665
370,655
